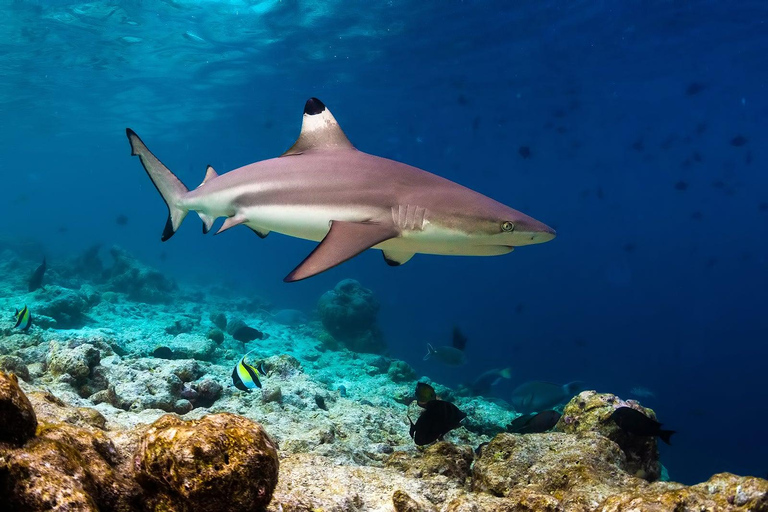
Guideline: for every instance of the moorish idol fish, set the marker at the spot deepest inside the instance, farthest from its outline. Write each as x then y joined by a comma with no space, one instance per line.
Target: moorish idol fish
23,318
246,377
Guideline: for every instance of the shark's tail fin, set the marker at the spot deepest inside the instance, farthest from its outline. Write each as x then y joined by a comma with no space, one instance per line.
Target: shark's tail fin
430,351
169,186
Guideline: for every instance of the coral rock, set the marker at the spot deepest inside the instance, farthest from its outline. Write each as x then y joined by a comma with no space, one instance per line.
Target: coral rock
18,418
590,411
579,470
76,362
222,462
443,458
348,313
15,365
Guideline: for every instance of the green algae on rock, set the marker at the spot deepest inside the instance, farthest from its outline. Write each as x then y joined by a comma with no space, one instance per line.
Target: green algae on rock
17,418
219,463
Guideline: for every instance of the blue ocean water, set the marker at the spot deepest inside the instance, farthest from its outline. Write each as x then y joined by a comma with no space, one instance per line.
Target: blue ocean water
645,122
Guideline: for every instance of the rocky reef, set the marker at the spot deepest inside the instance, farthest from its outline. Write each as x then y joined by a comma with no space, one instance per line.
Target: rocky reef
54,456
132,408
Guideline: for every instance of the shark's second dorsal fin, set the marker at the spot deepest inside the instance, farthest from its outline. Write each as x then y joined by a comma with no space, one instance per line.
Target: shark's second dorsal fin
319,131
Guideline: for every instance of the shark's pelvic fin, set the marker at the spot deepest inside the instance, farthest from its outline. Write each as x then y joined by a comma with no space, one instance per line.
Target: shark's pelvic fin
259,231
210,173
207,222
395,258
231,222
345,240
169,186
319,131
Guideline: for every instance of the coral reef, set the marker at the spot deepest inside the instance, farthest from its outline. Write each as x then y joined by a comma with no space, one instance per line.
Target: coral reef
348,313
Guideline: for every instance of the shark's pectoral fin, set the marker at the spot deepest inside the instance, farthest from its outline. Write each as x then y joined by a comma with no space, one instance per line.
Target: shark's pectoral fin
395,258
231,222
345,240
260,231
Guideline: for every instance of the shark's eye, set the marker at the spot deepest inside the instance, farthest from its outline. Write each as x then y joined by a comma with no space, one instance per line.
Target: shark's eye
507,226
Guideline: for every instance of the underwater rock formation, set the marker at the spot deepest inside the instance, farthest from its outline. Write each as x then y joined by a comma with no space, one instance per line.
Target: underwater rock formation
17,418
348,313
219,463
590,411
68,307
56,466
140,283
579,470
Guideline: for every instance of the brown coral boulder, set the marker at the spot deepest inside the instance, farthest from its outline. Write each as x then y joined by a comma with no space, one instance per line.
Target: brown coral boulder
220,463
443,458
578,470
723,492
17,418
590,411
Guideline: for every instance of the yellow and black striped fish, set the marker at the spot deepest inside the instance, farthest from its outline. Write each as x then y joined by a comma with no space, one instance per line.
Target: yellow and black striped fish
23,318
246,377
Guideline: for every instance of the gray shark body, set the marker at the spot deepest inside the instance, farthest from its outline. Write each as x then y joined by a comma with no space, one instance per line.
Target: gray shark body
323,189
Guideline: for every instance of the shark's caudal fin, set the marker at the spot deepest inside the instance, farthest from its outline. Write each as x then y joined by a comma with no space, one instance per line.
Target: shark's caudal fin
169,186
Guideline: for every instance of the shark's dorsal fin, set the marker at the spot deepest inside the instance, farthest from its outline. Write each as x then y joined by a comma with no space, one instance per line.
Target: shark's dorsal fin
319,131
210,173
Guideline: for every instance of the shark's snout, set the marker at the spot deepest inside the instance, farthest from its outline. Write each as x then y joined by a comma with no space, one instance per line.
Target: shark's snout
531,232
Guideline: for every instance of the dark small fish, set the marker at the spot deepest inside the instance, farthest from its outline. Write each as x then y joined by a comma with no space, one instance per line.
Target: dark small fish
462,100
636,423
121,220
483,384
439,418
424,393
246,377
519,422
535,423
538,396
459,341
600,193
525,152
697,157
342,391
479,449
701,128
638,145
694,88
629,247
451,355
163,353
519,308
739,141
763,207
36,281
23,319
246,334
681,185
697,215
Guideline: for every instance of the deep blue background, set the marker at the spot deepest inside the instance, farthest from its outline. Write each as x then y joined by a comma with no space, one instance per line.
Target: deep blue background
645,285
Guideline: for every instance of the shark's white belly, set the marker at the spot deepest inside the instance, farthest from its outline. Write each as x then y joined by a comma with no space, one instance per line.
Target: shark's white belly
313,222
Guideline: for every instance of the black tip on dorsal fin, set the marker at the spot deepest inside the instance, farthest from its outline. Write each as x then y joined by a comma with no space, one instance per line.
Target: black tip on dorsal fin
313,107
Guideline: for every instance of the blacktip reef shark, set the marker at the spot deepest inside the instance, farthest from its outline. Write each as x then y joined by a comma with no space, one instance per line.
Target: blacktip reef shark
323,189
